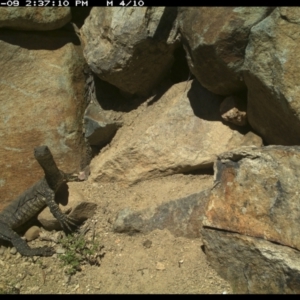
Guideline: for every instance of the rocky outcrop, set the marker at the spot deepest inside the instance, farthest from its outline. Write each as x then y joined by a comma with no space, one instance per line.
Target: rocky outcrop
215,39
255,195
34,18
271,75
42,102
130,48
180,132
182,217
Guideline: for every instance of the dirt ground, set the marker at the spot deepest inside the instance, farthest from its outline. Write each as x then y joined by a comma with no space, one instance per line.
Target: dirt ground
154,263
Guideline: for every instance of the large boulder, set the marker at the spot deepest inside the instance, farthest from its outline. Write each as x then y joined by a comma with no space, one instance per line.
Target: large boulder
42,103
253,265
131,48
215,39
34,18
272,64
180,132
255,195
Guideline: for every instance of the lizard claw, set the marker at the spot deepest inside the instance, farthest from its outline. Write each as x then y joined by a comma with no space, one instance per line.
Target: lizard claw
68,224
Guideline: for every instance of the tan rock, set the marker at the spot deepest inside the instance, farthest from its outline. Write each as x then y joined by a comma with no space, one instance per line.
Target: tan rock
42,103
71,202
233,110
32,233
252,139
160,266
34,18
180,132
131,48
215,39
272,64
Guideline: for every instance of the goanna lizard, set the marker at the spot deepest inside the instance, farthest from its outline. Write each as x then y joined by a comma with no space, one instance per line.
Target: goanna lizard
32,201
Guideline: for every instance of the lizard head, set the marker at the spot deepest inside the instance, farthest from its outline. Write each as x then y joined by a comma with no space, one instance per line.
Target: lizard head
42,152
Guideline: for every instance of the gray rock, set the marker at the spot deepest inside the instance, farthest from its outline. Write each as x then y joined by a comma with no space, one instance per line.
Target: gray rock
272,63
215,39
182,217
252,265
131,48
99,128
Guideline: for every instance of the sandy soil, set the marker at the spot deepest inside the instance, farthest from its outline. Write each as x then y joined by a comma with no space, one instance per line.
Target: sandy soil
153,263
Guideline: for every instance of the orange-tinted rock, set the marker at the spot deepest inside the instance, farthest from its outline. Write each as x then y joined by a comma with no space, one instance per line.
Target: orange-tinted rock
42,103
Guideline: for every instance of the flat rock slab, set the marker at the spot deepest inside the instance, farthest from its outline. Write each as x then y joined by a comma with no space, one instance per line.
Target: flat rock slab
182,217
180,132
253,265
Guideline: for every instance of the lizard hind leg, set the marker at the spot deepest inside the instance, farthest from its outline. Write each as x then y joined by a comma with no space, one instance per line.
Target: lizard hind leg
7,234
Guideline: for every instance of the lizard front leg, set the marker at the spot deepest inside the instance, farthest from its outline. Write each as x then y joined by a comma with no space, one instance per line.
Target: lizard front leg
7,234
67,223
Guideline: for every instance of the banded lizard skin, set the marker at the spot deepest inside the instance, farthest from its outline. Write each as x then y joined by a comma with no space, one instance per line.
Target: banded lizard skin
32,201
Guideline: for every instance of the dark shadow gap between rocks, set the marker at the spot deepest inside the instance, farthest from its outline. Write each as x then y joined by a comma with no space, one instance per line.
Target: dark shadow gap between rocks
41,40
166,23
79,14
180,71
207,171
202,102
109,97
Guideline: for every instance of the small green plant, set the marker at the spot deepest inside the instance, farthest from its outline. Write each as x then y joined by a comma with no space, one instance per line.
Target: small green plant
79,251
8,289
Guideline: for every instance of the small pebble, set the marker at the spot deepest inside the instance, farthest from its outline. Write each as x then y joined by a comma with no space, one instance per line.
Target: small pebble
147,244
35,258
160,266
13,251
32,233
60,251
67,279
180,262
